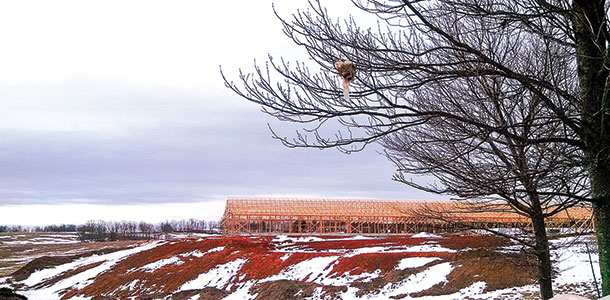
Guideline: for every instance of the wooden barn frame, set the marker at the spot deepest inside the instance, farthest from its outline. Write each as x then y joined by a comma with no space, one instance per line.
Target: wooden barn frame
334,216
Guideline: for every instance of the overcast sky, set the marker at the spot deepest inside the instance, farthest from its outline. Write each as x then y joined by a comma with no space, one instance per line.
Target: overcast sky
116,110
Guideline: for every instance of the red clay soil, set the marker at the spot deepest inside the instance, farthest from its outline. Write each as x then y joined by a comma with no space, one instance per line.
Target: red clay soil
66,274
356,244
261,266
169,277
261,263
473,241
371,262
263,259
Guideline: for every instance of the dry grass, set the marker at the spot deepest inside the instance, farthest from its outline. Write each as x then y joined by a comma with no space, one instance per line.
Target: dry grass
18,249
498,270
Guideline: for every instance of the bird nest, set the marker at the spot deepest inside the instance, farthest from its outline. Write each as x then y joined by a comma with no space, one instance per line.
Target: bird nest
347,71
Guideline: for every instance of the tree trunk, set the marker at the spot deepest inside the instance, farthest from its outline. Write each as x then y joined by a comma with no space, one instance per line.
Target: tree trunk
544,258
542,250
601,213
590,32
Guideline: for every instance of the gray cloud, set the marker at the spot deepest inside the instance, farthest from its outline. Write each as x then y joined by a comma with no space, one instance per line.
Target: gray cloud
181,147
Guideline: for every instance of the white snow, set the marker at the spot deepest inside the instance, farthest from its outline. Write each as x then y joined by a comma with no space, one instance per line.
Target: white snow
151,267
313,269
573,263
415,283
70,235
508,293
347,279
52,292
195,253
398,249
317,294
3,282
242,293
301,239
129,287
42,241
216,277
414,262
198,253
473,290
426,235
364,250
307,239
420,281
217,249
80,297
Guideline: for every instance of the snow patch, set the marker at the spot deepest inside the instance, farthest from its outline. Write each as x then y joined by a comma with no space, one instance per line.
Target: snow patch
217,249
412,284
242,293
217,277
195,253
78,280
287,239
347,279
573,263
151,267
314,270
42,241
198,253
129,287
426,235
414,262
400,249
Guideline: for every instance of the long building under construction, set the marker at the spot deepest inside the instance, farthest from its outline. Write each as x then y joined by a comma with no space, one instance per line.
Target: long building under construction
335,216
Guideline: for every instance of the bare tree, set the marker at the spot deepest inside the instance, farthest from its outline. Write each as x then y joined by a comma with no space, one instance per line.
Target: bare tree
145,228
537,180
554,52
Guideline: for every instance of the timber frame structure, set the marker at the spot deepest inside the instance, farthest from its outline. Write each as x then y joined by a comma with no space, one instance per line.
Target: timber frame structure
245,216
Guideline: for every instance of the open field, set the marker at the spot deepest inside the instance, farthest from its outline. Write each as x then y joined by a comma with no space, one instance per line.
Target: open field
17,249
420,266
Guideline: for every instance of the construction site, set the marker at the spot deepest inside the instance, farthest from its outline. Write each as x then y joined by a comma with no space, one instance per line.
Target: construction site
249,216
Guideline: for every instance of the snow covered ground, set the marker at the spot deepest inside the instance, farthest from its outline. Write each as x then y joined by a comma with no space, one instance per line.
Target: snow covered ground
81,279
422,266
42,239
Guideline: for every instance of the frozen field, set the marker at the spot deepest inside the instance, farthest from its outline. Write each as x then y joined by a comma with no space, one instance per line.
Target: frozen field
421,266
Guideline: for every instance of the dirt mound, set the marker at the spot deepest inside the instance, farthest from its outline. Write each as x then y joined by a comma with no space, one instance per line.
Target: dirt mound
39,264
51,261
206,293
290,289
498,270
8,294
374,285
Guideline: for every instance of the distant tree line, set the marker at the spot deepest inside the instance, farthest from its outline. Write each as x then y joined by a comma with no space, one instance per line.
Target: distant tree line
98,230
130,230
6,228
49,228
